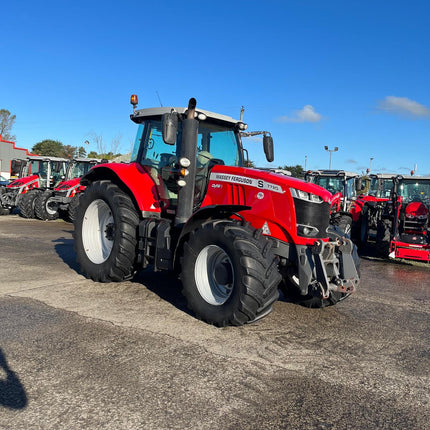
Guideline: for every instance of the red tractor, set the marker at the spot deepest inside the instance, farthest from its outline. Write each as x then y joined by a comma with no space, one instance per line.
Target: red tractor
65,196
403,231
370,207
39,173
344,186
185,203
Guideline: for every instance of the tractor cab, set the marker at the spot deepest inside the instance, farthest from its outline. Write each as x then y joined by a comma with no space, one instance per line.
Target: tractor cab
343,184
381,185
336,181
79,167
17,168
414,205
161,152
50,170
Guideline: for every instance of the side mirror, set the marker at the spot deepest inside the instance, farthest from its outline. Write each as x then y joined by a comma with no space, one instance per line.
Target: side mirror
169,127
268,148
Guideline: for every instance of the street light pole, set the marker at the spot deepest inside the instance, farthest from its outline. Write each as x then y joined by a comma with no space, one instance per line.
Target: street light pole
331,151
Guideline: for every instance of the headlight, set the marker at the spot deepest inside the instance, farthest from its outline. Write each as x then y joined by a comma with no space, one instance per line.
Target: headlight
303,195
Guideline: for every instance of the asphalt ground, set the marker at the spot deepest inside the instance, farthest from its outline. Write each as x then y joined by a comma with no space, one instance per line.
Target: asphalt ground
75,354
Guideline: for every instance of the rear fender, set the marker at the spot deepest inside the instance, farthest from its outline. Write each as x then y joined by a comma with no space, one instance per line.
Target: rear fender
133,180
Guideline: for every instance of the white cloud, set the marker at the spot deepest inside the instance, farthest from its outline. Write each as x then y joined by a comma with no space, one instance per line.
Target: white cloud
404,106
307,114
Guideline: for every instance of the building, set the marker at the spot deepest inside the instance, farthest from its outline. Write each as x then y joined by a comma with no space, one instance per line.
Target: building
9,152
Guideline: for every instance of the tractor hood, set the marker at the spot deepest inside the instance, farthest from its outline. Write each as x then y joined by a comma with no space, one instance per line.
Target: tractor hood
286,182
416,210
65,185
22,181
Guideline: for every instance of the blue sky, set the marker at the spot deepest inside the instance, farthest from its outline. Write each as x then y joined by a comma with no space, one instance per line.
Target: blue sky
351,74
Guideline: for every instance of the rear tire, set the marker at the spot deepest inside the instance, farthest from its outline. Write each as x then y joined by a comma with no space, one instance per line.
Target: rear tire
229,273
26,203
44,208
106,233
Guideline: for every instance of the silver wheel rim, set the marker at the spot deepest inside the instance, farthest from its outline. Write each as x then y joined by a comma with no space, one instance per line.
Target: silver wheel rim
51,207
214,275
97,231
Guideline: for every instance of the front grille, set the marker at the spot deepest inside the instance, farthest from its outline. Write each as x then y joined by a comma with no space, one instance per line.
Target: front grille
312,214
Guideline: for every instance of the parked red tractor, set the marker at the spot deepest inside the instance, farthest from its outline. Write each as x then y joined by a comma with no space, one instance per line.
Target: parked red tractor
39,173
404,228
185,203
344,186
65,196
370,207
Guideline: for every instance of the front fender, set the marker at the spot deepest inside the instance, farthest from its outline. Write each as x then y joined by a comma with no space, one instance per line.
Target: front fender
210,212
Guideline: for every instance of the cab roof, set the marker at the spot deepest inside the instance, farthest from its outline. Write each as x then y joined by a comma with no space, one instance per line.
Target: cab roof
87,160
413,178
156,113
383,175
45,158
332,173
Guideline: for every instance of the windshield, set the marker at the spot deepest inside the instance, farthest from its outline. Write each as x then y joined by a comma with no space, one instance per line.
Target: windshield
213,142
36,167
79,169
415,190
380,187
330,183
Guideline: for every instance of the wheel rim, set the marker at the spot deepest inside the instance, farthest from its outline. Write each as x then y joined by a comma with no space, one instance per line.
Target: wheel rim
51,206
98,230
214,275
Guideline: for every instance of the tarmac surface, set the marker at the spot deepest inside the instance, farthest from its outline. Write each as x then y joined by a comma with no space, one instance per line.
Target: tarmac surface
75,354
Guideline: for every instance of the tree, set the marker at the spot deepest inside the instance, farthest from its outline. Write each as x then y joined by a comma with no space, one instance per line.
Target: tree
52,148
93,154
81,152
6,123
98,140
296,171
68,151
102,149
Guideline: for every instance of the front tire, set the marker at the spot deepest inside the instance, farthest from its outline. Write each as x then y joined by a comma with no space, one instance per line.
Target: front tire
72,209
106,233
344,222
364,227
229,273
383,237
26,203
45,208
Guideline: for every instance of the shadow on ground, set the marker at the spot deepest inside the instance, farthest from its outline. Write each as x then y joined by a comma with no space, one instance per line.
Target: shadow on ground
64,249
12,392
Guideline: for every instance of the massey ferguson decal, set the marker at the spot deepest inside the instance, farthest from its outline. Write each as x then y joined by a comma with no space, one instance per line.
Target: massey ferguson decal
256,183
